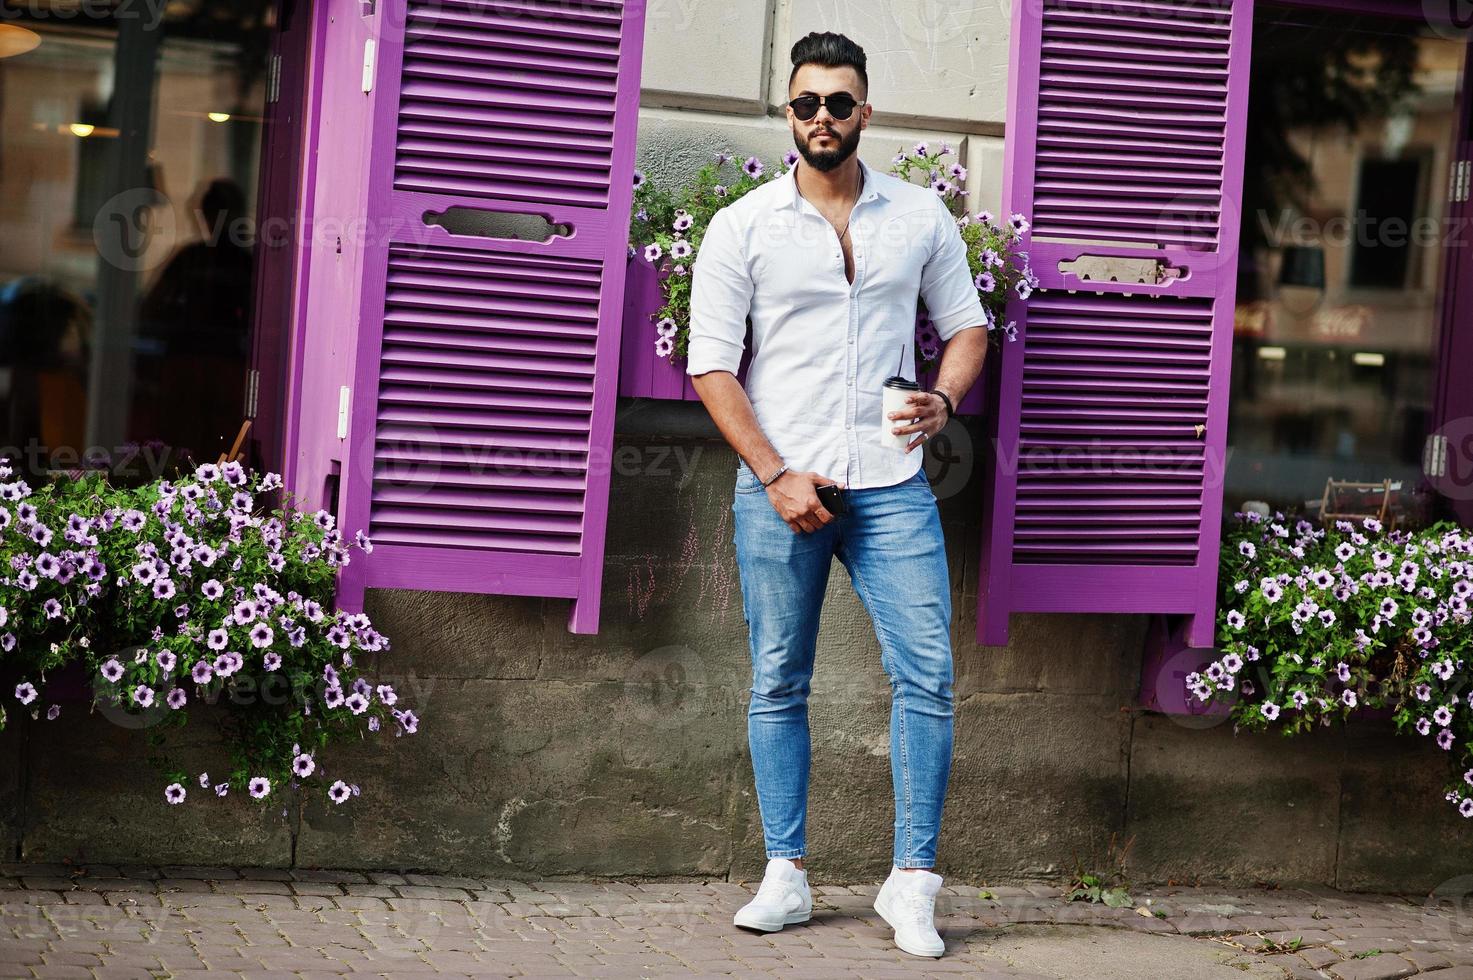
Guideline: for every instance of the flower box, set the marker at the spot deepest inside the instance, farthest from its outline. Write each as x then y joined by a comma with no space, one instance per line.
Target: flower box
643,374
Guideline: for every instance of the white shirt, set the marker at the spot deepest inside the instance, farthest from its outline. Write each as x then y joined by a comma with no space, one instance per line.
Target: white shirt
821,347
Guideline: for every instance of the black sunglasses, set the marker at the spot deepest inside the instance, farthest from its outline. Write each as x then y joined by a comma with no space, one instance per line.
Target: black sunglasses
841,105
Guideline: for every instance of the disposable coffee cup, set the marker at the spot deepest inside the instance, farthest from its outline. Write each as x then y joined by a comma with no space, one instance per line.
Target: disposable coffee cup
894,393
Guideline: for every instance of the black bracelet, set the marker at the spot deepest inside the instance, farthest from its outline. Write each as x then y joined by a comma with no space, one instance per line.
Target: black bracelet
949,410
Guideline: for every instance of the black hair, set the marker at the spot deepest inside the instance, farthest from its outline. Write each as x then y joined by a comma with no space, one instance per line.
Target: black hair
832,51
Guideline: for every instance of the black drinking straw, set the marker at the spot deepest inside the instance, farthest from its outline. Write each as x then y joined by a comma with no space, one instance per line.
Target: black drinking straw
902,361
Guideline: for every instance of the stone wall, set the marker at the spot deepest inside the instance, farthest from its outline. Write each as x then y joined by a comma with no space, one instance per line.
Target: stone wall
542,753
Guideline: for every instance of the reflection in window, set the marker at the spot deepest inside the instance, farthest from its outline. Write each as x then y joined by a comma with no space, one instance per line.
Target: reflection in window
129,153
1350,142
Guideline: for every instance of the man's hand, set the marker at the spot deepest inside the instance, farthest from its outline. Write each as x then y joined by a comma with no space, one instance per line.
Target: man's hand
929,412
796,501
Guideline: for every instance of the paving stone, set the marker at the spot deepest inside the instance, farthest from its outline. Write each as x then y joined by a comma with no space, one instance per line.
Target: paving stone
326,922
1387,966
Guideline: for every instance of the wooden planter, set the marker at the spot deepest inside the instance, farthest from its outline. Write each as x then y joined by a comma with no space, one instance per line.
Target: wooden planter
642,374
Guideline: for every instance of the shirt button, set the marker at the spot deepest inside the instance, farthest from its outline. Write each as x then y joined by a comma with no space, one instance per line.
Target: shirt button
851,340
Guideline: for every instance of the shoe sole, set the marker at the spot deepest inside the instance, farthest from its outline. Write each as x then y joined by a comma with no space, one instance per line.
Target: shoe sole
913,952
768,925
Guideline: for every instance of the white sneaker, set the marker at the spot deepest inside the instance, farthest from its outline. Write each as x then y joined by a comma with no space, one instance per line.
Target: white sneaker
782,899
907,901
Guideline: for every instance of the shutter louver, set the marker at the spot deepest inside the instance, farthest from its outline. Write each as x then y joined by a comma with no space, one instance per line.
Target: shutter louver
1125,134
509,100
483,409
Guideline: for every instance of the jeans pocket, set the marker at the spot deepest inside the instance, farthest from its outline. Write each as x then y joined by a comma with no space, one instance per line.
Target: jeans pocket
747,481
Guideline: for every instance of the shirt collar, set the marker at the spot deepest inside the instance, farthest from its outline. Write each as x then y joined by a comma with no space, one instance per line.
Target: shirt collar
795,200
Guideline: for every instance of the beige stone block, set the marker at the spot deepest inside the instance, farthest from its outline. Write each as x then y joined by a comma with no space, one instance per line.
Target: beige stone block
927,60
706,55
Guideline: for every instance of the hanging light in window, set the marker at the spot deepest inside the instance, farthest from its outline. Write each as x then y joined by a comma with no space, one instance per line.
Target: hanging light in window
15,40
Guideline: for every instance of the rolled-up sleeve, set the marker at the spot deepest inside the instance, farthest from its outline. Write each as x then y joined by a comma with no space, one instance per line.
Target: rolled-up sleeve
952,301
720,299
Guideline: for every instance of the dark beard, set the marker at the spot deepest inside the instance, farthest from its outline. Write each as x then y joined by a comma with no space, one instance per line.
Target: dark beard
826,160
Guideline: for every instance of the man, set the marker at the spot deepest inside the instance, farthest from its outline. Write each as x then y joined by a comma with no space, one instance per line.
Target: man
828,261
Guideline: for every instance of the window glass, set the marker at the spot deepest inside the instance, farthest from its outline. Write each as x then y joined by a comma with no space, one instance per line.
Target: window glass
129,153
1350,143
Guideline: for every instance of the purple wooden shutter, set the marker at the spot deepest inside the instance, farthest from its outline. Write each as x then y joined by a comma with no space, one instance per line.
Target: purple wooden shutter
483,401
1125,141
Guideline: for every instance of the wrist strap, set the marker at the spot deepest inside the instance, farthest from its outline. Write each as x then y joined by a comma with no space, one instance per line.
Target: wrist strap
947,399
768,482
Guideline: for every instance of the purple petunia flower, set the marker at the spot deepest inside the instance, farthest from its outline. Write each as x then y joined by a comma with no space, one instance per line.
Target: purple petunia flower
260,786
143,696
752,167
202,672
338,792
26,692
218,639
176,698
112,670
52,608
261,635
244,611
303,765
212,589
174,793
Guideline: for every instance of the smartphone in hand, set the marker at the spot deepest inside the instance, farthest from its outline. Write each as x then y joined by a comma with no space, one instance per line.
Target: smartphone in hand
832,498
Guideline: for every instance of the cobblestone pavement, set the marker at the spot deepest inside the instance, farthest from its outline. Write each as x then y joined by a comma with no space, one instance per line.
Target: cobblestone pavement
56,921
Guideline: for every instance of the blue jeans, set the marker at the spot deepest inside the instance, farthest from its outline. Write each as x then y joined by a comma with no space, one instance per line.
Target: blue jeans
890,541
